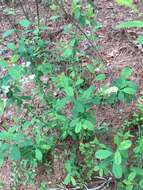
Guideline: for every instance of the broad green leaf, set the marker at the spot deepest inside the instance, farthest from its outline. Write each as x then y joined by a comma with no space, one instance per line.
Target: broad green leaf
60,104
141,183
117,158
38,155
15,58
91,68
121,96
45,147
126,144
140,40
88,125
69,91
79,81
45,68
78,127
103,154
129,90
7,33
117,140
25,23
1,161
126,73
132,176
89,92
26,125
67,179
15,153
138,171
100,77
82,20
64,81
78,107
130,24
3,64
16,72
117,170
68,52
1,155
73,181
11,46
2,106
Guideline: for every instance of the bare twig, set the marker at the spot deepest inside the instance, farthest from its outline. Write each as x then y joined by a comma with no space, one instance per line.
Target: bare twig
25,13
38,15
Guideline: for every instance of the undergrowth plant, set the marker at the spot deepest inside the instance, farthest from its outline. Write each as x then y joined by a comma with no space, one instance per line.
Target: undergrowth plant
67,92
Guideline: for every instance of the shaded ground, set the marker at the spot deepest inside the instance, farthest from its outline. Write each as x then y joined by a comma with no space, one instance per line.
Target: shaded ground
119,49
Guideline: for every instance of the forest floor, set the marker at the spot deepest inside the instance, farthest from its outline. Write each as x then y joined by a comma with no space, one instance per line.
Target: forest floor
118,49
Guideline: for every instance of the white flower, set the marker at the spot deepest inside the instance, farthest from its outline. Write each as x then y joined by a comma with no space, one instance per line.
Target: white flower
111,90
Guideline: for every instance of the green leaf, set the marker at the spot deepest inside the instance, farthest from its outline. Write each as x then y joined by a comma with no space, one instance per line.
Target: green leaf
103,154
88,92
132,176
67,179
138,171
15,153
117,170
82,20
117,158
2,106
1,161
126,144
126,3
7,33
45,147
78,127
73,181
100,77
11,46
88,125
45,68
68,52
141,183
129,90
78,107
38,154
121,96
16,72
140,40
126,73
15,58
25,23
79,81
3,64
60,104
69,91
130,24
1,155
91,68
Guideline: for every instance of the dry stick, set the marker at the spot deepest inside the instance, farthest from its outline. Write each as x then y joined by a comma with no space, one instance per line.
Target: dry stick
38,15
30,12
13,26
25,13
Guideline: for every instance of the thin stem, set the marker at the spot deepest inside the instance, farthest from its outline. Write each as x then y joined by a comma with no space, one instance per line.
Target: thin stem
25,13
38,15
